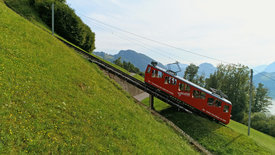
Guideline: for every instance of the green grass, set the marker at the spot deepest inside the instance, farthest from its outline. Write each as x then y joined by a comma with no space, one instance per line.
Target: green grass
54,101
23,8
259,137
219,139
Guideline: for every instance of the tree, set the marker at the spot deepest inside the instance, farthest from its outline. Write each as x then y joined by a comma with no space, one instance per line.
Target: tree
262,100
191,72
233,80
200,80
118,62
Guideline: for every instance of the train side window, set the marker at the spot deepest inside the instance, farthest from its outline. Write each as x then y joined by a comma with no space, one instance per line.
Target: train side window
149,70
210,101
160,74
170,80
181,87
166,80
225,108
187,88
218,103
175,81
203,95
196,94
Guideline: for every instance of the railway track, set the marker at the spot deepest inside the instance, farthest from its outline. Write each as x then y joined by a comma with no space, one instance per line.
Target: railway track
147,88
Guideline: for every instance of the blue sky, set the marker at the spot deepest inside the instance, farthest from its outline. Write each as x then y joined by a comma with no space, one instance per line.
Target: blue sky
233,31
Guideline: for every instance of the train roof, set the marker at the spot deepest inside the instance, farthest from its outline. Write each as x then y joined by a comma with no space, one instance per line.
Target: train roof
193,84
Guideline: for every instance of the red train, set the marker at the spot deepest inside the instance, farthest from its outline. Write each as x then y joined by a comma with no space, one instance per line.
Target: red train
207,102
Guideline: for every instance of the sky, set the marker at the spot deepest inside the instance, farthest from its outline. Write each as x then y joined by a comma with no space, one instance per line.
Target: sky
230,31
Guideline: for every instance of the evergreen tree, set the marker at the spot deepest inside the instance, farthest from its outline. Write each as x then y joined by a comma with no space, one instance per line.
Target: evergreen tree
262,100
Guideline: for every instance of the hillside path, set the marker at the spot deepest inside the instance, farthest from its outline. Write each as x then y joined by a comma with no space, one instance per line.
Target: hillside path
141,96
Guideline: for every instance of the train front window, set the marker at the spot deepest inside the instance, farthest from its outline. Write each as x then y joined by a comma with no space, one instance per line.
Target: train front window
225,108
154,73
149,70
181,87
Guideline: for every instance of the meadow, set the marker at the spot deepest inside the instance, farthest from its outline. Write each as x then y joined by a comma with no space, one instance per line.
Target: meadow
52,100
217,138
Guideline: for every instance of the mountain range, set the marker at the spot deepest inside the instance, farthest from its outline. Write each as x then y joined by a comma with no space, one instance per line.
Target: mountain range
137,59
265,68
141,61
266,73
268,79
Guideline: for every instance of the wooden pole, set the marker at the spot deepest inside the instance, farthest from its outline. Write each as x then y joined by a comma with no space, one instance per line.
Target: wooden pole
250,101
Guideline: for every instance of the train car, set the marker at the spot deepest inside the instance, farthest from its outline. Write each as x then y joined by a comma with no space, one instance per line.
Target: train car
207,102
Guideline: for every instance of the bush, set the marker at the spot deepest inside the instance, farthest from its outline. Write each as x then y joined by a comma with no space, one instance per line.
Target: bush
262,122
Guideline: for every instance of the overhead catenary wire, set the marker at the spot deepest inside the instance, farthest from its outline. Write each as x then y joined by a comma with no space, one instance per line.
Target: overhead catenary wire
164,44
155,41
135,41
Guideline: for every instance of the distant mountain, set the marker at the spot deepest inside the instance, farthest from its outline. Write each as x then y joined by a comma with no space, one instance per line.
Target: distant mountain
137,59
260,68
105,56
270,68
269,83
206,69
141,61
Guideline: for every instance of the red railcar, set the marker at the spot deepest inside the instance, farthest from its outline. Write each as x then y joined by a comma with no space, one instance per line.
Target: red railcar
189,93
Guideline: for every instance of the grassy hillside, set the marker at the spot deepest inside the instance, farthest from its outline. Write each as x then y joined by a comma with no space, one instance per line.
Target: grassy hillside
230,139
23,8
52,100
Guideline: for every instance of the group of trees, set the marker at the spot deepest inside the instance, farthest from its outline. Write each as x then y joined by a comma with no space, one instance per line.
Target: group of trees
128,66
67,23
233,80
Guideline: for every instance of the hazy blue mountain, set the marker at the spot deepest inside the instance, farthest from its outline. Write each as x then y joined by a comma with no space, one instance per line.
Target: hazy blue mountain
137,59
174,67
270,68
260,68
206,69
105,56
269,83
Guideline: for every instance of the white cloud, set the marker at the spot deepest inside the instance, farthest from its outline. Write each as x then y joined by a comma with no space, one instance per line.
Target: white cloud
234,31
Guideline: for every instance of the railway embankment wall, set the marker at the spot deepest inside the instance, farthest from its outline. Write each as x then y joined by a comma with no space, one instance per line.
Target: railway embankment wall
131,89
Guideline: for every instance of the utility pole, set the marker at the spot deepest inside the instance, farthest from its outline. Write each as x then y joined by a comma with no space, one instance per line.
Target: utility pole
250,101
53,19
